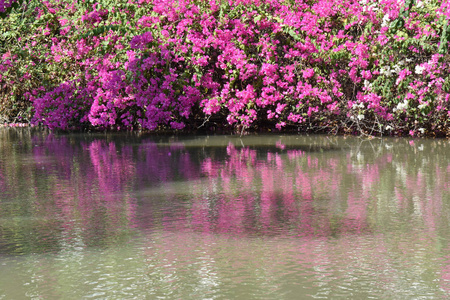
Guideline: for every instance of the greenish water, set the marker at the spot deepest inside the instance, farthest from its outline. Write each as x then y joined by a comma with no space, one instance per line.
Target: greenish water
120,216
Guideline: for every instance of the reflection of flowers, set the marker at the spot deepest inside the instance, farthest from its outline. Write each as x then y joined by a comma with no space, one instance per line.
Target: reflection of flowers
311,206
236,189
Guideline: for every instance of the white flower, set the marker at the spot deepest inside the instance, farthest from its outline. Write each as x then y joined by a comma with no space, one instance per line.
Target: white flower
386,71
368,7
388,127
402,105
397,68
419,70
422,106
356,106
385,22
422,130
374,7
360,117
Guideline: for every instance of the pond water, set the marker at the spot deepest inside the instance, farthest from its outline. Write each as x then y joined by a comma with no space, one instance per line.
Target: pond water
123,216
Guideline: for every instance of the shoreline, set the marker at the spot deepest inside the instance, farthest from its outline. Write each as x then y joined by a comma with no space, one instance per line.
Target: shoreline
223,132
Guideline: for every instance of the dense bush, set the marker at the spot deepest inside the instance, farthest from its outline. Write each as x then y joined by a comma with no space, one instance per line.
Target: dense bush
364,67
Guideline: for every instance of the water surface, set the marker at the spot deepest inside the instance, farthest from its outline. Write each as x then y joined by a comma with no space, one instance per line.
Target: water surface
122,216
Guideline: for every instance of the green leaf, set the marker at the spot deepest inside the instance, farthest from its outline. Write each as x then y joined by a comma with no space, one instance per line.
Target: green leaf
293,34
397,23
445,36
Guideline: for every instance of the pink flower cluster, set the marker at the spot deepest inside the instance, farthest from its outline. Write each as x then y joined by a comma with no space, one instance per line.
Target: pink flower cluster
5,4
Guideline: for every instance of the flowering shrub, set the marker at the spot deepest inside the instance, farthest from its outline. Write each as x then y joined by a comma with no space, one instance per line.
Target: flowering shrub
364,67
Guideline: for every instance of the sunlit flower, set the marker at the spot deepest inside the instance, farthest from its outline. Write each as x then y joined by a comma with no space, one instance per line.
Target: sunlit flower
385,21
402,106
419,70
386,71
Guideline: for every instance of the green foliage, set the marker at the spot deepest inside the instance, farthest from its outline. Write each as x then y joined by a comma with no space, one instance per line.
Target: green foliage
445,38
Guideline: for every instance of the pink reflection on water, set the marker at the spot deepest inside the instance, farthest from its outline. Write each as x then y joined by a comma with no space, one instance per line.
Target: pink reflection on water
331,213
266,196
293,154
356,212
280,192
210,168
